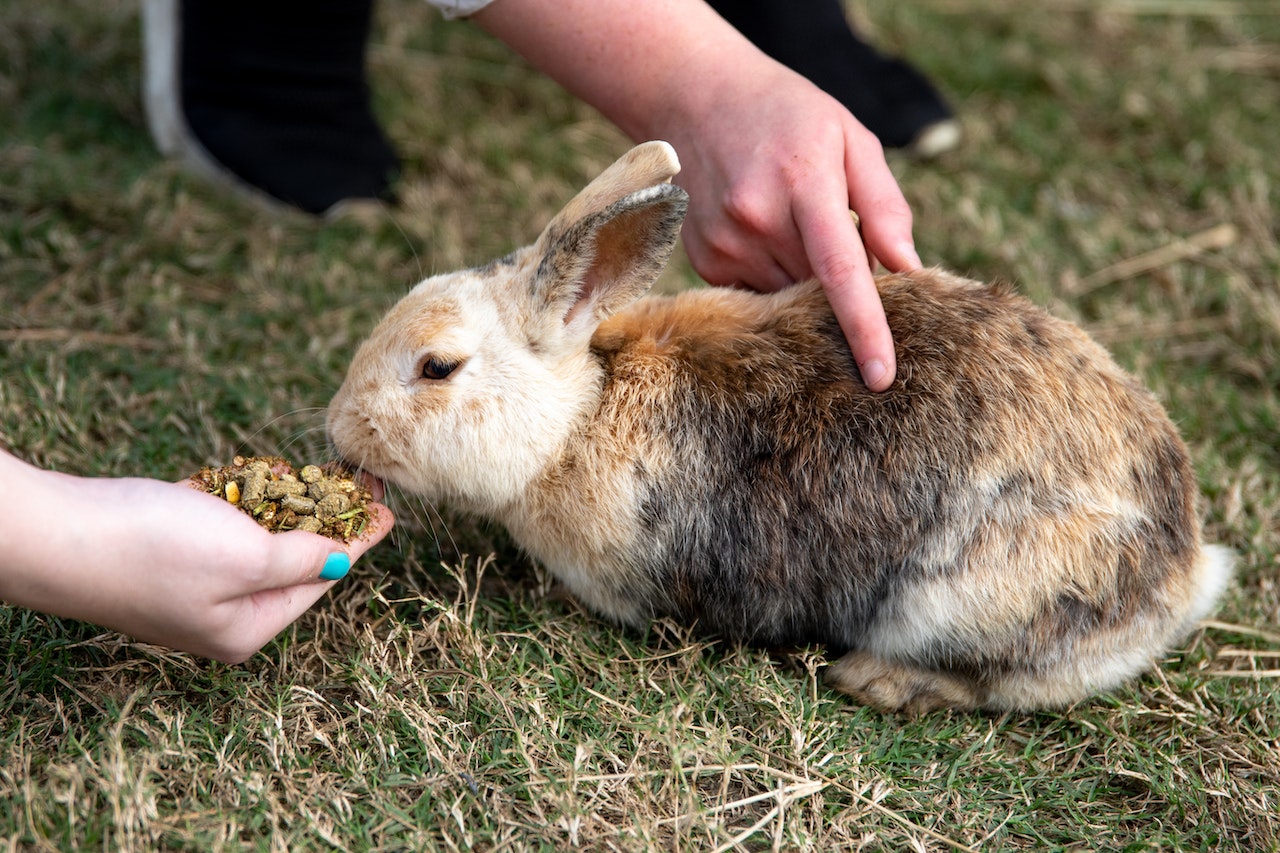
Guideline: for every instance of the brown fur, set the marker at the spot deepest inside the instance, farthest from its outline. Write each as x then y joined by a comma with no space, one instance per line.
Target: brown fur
1090,531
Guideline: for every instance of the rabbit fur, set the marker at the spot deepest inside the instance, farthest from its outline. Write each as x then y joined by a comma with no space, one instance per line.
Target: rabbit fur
1011,525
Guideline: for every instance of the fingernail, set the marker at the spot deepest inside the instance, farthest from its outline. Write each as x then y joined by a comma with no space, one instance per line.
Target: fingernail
873,372
336,566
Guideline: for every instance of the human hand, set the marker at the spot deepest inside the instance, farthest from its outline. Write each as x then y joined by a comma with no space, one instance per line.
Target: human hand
165,563
772,181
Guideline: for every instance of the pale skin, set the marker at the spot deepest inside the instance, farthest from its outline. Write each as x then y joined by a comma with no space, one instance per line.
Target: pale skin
161,562
773,165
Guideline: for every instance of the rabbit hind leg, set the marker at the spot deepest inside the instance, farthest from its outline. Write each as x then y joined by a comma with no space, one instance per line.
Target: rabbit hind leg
901,687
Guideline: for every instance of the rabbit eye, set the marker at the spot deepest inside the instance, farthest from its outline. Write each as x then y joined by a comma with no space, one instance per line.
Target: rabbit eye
437,368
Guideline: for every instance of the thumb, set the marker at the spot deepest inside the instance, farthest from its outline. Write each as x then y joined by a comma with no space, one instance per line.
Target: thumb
298,557
299,569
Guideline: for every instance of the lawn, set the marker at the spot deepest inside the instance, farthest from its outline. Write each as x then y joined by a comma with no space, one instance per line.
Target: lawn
1120,166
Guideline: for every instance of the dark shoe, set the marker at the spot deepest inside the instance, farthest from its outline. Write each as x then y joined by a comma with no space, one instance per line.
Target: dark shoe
268,98
813,38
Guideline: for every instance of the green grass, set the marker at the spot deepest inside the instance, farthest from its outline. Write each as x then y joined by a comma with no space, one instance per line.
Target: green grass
440,698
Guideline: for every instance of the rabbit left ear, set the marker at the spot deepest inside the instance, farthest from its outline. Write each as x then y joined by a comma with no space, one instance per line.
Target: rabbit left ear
593,266
644,166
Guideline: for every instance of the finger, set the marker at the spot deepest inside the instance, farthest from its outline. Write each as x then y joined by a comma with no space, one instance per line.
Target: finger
301,568
747,238
381,520
757,272
840,263
376,487
885,215
857,224
273,610
298,557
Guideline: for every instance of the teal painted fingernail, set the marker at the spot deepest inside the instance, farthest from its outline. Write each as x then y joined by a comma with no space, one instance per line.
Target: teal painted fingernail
336,566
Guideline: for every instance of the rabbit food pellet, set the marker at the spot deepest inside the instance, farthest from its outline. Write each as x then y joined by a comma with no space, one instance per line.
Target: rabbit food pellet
329,502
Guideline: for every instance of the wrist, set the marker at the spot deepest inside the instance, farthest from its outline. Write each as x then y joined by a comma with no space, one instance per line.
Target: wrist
36,566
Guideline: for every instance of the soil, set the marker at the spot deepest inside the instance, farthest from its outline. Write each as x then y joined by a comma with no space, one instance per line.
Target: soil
327,500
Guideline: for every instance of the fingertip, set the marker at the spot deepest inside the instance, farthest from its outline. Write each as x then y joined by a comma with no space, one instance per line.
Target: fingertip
873,372
383,520
877,374
907,252
900,256
376,486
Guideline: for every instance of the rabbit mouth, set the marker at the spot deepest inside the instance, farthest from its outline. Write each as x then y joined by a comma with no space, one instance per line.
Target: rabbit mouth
375,484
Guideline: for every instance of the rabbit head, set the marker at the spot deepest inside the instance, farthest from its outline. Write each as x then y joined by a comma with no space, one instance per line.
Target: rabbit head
493,363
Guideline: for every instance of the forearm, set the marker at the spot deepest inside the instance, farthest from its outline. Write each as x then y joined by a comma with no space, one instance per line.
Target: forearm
646,66
45,553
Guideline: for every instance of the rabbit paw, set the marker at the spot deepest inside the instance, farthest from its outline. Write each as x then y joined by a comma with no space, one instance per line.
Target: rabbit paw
893,686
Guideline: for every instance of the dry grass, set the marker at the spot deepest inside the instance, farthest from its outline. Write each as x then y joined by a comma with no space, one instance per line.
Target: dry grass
1120,166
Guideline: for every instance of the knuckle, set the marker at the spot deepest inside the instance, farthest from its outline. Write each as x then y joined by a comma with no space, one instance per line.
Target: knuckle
749,210
252,576
837,270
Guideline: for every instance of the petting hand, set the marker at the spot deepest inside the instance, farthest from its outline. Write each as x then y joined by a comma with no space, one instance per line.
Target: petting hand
772,184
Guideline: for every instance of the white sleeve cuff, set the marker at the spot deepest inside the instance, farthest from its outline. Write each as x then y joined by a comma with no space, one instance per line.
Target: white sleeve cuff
459,8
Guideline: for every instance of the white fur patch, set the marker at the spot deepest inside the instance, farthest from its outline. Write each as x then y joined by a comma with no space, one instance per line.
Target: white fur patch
961,605
1217,564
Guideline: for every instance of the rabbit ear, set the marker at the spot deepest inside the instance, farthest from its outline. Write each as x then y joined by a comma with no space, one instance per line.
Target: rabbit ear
609,245
644,166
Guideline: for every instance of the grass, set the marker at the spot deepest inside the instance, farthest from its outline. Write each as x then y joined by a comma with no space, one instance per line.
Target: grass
445,696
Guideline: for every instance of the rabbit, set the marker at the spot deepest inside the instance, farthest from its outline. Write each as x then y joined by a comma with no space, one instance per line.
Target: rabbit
1012,525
